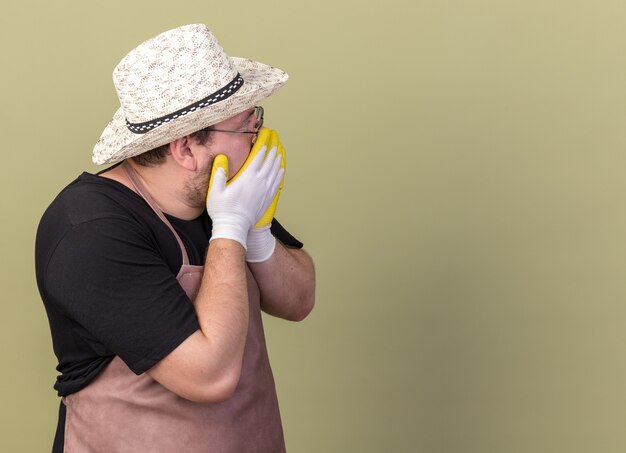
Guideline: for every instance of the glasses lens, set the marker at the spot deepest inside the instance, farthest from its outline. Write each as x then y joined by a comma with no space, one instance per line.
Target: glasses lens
258,112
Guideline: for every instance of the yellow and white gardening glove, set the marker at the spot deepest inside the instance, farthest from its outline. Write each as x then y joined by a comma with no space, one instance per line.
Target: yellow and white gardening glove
236,206
261,242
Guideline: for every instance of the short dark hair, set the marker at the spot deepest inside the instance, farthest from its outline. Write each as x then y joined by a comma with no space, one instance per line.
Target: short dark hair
156,156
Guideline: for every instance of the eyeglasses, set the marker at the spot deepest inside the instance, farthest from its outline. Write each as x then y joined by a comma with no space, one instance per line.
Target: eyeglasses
258,113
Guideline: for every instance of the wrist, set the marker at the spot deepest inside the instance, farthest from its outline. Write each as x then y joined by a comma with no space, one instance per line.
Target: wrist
260,244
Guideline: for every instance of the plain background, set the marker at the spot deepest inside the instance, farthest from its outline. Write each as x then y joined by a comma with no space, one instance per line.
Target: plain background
456,169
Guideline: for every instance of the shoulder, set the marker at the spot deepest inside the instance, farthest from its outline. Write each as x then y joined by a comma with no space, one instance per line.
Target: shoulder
90,197
93,205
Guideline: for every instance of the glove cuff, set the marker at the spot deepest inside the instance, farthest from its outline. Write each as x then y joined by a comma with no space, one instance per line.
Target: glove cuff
230,230
261,245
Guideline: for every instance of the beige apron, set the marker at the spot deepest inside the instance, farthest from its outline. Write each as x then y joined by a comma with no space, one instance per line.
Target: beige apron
121,412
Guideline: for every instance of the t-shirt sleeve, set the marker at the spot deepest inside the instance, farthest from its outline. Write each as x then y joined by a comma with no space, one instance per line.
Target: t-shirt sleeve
107,275
284,236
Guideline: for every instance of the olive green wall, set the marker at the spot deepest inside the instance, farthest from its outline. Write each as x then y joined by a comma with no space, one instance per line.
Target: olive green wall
455,169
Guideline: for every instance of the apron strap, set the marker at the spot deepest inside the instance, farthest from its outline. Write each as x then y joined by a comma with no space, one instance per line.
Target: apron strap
141,190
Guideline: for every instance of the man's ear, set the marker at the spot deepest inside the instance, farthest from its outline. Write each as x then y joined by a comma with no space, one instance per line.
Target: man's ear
183,152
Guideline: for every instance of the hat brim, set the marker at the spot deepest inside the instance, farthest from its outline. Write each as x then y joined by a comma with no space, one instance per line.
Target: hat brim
117,142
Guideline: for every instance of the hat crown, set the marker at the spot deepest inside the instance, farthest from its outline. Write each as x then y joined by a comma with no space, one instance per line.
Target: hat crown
171,71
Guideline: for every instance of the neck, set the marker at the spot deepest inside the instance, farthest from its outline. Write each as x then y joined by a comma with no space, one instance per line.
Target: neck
164,184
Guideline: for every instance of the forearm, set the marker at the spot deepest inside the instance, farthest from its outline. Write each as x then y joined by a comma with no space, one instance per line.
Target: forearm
222,304
286,282
206,367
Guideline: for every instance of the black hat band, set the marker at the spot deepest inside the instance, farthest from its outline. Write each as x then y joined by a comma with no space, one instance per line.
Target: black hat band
220,95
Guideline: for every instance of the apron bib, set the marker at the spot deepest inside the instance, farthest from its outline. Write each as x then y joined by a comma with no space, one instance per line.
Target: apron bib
121,412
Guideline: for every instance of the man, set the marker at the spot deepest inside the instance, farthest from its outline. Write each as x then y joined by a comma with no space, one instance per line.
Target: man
154,288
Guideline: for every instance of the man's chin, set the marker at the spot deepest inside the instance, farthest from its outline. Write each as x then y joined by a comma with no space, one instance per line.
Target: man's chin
196,191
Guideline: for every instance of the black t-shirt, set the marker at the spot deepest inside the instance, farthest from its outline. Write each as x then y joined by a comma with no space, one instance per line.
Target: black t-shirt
106,269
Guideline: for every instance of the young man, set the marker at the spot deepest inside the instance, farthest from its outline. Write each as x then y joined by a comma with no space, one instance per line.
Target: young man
154,288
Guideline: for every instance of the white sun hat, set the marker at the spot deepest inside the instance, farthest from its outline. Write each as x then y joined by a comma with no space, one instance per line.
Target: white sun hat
177,83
